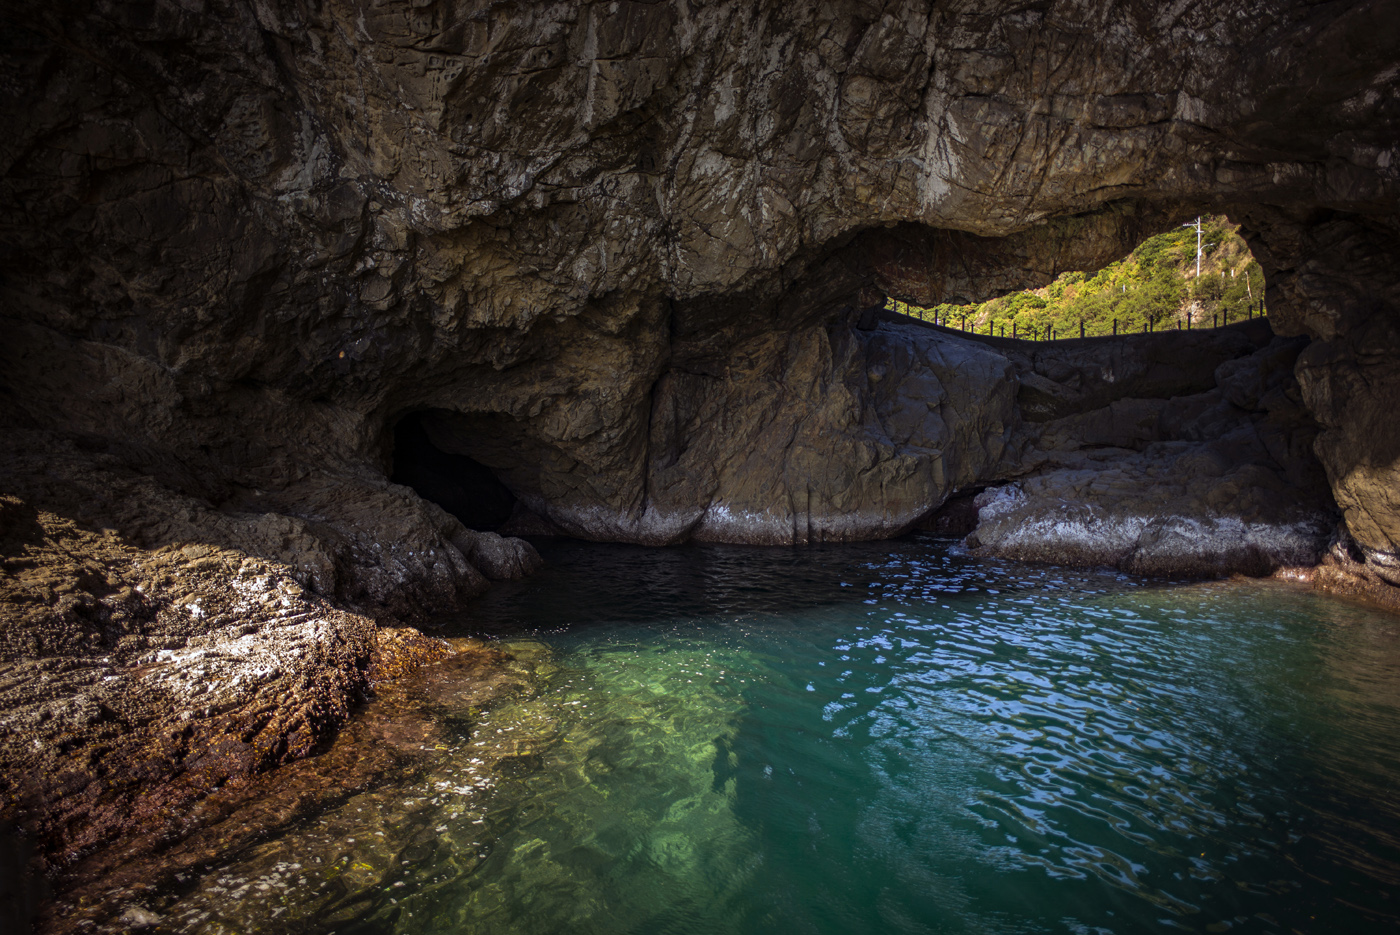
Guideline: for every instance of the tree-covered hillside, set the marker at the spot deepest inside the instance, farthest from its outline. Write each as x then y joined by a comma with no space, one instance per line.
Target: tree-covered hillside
1154,287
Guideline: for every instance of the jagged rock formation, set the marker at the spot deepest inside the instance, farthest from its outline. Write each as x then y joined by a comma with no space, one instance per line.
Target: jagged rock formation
153,648
136,681
1125,461
618,254
243,241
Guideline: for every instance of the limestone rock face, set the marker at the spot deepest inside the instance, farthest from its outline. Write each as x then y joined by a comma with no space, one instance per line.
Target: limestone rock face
242,241
1209,483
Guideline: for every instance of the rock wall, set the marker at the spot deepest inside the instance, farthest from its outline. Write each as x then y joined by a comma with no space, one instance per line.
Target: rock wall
1172,454
1341,287
243,239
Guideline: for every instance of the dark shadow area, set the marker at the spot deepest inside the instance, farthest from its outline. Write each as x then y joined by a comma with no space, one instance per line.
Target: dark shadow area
463,487
21,891
956,518
586,584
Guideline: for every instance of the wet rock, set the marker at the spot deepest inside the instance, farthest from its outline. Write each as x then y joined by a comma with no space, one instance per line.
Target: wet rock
135,681
401,650
138,918
364,788
462,685
606,241
1210,483
499,558
1349,571
1152,527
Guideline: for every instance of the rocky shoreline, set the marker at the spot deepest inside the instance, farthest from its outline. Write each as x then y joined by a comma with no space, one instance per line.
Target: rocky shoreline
156,649
628,262
144,670
125,886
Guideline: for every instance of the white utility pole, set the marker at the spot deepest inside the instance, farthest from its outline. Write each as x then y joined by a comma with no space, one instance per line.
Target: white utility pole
1197,225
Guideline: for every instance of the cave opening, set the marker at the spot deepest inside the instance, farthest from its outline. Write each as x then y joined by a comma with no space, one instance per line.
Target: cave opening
1200,274
465,488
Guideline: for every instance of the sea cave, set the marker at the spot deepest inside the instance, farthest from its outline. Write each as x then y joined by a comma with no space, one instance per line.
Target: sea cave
699,467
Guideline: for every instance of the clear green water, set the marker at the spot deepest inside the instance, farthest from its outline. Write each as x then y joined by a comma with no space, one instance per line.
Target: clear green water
873,738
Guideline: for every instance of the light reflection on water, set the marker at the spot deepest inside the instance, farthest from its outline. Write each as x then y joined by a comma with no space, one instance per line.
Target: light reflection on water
874,738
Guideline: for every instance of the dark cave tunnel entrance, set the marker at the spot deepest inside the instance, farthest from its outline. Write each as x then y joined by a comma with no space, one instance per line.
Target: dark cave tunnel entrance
465,488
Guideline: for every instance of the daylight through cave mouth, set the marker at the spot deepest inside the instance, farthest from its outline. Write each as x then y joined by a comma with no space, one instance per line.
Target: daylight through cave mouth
465,488
1197,275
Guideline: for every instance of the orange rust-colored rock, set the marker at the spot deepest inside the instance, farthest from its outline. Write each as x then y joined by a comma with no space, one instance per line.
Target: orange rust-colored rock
400,650
1345,572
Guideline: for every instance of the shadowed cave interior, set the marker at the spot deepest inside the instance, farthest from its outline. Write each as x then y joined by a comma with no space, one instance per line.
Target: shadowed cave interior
463,487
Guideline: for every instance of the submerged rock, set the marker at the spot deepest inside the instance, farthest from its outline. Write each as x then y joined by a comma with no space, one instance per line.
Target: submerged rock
401,650
305,848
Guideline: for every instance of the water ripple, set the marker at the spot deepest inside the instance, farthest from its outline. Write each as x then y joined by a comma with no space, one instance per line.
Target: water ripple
894,737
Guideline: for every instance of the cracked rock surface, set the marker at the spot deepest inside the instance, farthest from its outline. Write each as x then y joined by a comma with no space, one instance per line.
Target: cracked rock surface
142,668
1179,454
134,681
243,240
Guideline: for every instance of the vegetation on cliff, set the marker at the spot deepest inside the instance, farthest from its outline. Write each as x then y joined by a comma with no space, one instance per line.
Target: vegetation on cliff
1154,287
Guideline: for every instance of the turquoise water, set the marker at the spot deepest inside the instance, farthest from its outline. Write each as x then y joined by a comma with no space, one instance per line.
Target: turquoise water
873,738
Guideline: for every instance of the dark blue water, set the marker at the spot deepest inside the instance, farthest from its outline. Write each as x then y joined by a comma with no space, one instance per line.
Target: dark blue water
878,738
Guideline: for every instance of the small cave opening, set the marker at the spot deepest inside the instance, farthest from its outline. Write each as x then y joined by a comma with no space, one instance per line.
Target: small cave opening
1197,275
465,488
